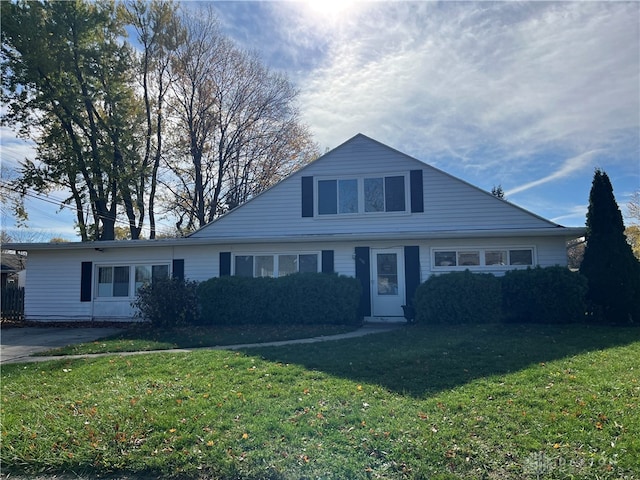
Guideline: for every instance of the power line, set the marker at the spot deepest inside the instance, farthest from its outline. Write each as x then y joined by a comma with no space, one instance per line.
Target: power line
60,203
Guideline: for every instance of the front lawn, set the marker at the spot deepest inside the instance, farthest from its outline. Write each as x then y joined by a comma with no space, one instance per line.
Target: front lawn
515,402
142,338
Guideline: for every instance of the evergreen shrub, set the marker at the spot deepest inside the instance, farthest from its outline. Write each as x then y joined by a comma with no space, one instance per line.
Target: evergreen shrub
459,297
301,298
167,303
544,295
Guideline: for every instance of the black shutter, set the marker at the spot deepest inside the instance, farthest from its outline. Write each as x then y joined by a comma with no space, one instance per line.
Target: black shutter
363,273
327,261
411,271
307,196
225,264
85,281
178,269
417,195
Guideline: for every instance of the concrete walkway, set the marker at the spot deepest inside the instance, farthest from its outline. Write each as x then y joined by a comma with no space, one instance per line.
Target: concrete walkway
17,344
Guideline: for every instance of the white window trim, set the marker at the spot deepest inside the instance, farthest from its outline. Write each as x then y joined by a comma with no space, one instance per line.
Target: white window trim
276,262
482,251
360,179
132,277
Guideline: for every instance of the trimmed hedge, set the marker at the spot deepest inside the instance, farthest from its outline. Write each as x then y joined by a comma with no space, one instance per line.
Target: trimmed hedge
301,298
544,295
459,297
534,295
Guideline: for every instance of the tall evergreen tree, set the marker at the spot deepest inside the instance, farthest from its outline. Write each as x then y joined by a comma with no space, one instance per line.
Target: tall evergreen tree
609,264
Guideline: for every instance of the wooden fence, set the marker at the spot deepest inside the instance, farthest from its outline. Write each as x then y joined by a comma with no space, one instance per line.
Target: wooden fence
12,303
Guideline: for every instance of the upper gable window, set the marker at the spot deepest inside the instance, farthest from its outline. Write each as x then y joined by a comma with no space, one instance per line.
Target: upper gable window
385,194
337,196
363,195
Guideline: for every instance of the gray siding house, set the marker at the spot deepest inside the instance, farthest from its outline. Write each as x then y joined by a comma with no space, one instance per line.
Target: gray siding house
363,210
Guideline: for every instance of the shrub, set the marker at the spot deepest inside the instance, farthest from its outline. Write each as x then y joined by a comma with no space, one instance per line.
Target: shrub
544,295
459,297
302,298
167,303
234,300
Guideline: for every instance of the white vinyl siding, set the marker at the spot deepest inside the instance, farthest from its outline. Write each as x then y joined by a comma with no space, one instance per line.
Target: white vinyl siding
53,277
450,204
52,290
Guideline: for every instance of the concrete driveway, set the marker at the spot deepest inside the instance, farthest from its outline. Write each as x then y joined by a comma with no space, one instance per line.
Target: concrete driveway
18,343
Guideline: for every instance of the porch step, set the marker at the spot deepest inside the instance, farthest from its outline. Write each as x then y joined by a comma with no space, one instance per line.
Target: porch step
390,320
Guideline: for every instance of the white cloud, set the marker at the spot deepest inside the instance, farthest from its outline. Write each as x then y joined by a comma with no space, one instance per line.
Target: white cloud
482,80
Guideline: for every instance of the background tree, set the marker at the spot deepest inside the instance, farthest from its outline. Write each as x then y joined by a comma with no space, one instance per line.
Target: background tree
575,253
609,265
186,118
11,200
239,130
498,192
67,83
159,32
633,230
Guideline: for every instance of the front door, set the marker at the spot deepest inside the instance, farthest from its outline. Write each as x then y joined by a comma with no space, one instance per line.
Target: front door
387,282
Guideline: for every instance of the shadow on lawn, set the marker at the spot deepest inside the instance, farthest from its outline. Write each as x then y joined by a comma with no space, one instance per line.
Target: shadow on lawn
423,360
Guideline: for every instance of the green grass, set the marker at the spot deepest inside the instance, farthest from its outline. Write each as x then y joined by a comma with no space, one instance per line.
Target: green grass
138,338
515,402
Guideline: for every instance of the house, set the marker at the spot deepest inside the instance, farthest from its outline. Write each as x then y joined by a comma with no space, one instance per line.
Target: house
12,270
363,210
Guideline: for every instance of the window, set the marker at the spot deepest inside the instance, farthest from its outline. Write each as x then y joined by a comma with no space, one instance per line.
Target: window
385,194
489,257
337,196
275,265
373,195
445,259
308,263
287,264
495,257
264,266
364,195
115,281
394,196
149,273
244,265
468,259
521,257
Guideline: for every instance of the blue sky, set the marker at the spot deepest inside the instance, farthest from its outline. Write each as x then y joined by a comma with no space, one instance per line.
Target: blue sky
530,95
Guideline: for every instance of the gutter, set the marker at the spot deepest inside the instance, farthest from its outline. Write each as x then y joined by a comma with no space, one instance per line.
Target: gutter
566,232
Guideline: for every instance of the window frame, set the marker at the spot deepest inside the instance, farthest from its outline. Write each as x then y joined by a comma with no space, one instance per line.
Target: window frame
131,281
455,253
275,256
320,207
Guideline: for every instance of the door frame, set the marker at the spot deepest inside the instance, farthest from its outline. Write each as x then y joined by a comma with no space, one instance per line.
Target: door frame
387,305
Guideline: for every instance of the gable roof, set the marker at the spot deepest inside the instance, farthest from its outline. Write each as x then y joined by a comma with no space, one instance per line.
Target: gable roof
453,209
450,204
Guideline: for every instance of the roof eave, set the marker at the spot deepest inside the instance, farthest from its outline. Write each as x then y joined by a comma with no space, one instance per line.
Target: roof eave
566,232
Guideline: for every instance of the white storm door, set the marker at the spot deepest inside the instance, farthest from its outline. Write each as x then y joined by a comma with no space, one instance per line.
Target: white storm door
387,284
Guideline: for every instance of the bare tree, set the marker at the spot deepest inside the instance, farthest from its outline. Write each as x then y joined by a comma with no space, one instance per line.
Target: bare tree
159,32
239,131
